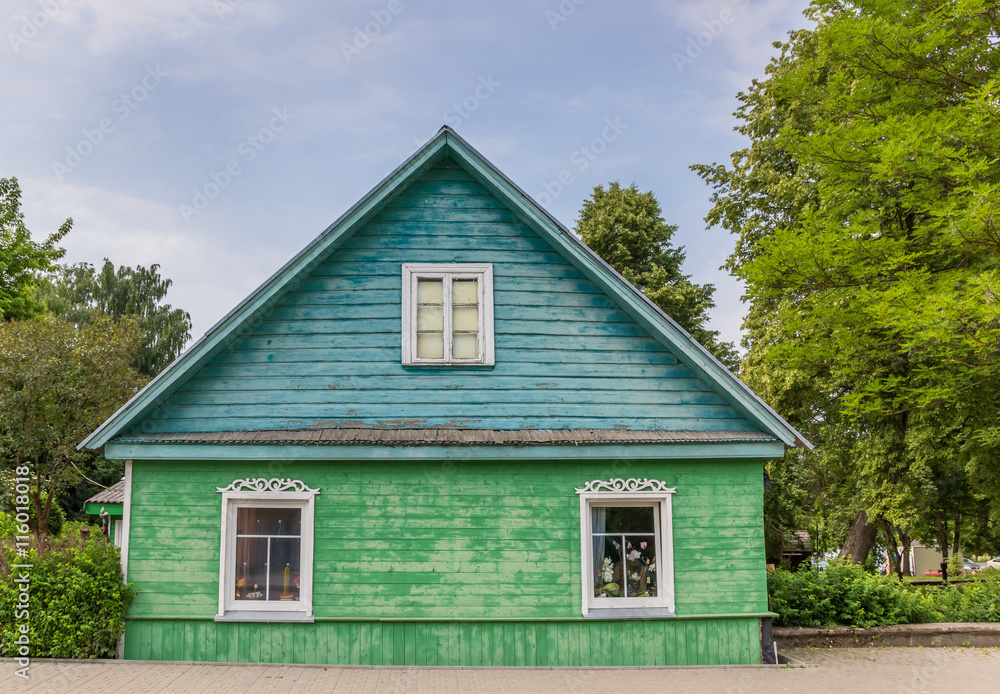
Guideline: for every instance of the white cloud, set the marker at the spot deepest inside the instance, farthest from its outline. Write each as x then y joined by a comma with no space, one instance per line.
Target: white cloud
739,32
211,273
113,25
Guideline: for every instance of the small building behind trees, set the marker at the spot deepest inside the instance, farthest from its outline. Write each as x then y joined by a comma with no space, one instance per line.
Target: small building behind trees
106,508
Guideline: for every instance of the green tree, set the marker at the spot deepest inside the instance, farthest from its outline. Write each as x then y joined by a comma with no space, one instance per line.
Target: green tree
58,382
80,293
21,259
865,214
625,227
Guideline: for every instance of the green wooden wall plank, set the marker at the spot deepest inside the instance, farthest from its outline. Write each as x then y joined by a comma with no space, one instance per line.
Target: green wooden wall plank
503,423
540,395
343,361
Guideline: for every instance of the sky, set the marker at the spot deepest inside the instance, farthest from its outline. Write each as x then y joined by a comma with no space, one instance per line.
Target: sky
218,137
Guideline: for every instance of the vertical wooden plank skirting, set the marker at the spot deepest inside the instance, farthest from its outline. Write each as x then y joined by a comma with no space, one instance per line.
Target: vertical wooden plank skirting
607,643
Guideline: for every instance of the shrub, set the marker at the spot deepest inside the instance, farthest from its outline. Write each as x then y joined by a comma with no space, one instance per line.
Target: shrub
956,565
977,601
8,527
77,598
846,594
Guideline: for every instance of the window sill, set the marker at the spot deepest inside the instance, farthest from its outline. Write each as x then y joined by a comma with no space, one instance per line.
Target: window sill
262,616
629,613
446,366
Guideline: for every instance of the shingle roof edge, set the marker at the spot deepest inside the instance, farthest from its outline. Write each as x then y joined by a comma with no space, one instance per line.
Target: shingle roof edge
449,437
115,494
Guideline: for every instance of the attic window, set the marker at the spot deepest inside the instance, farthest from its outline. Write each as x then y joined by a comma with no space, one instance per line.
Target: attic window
448,314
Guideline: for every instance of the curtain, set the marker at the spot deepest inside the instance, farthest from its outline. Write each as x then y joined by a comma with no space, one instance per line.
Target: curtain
598,524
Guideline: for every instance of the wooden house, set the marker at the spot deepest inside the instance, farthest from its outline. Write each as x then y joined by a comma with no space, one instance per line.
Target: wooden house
445,433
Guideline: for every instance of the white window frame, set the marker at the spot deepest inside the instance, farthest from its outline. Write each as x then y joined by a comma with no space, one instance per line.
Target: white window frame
448,272
263,493
631,492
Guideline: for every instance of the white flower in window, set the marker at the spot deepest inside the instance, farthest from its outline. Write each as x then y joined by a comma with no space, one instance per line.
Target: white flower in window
607,570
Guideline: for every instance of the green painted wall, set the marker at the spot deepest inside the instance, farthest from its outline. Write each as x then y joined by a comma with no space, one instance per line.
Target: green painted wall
517,643
328,352
426,541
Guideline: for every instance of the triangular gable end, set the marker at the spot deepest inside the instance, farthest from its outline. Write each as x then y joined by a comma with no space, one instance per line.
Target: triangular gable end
448,144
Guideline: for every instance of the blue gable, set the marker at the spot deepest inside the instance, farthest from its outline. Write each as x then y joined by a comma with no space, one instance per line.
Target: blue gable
318,346
328,353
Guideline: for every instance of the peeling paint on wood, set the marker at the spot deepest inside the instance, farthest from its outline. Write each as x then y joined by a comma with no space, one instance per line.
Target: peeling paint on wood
327,354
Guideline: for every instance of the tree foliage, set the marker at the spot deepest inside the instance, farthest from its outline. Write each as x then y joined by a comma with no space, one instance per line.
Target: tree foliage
80,293
625,227
59,382
865,211
21,259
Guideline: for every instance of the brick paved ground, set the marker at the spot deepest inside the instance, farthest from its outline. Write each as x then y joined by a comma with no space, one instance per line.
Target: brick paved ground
883,670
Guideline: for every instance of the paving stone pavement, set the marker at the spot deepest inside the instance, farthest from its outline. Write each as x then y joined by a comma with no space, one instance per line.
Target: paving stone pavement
881,671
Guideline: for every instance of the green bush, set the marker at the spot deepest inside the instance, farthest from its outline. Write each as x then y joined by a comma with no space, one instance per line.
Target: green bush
77,599
974,601
8,526
846,594
956,565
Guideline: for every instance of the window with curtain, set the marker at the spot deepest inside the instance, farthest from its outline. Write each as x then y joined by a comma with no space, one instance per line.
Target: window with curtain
266,551
624,540
626,543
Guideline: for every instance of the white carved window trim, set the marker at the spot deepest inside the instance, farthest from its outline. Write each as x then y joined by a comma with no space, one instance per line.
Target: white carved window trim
265,493
447,272
629,492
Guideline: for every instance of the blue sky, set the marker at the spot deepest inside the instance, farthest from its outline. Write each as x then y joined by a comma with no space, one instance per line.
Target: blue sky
218,137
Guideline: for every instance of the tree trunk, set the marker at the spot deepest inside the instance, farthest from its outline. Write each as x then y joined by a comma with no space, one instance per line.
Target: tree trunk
41,514
906,541
860,540
957,547
942,534
890,550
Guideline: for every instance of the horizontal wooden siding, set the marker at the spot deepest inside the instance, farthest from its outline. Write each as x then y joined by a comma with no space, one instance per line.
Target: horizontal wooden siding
428,540
328,353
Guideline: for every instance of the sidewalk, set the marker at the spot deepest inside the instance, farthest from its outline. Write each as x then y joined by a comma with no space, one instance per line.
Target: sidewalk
879,670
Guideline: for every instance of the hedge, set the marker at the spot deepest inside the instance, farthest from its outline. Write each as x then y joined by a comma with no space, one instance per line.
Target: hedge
77,600
846,594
